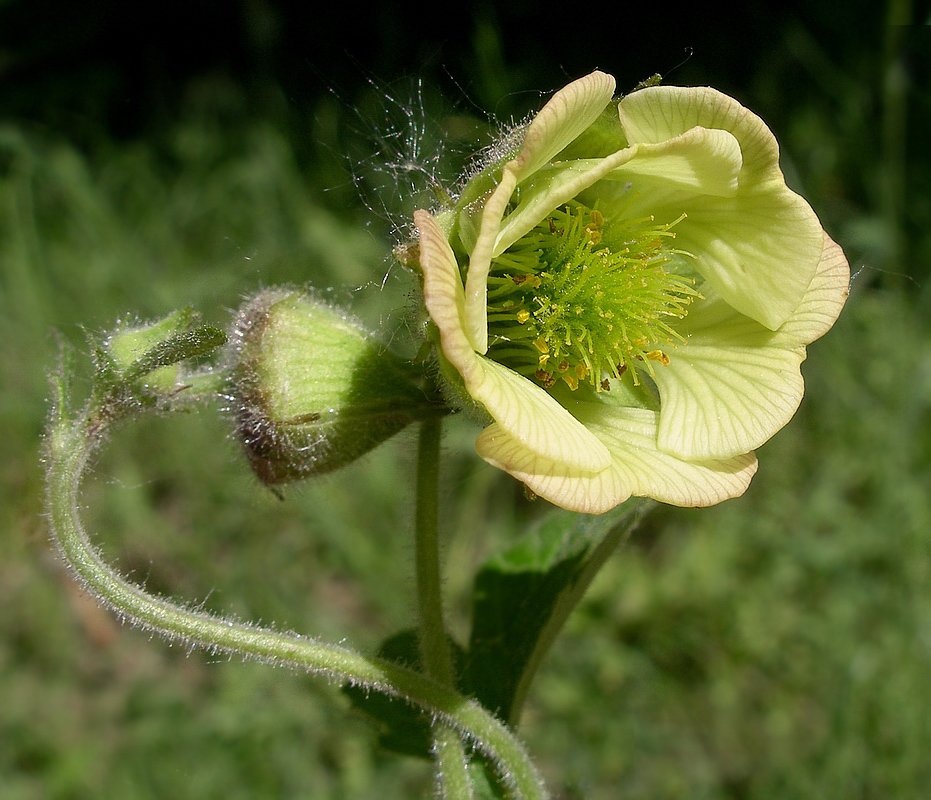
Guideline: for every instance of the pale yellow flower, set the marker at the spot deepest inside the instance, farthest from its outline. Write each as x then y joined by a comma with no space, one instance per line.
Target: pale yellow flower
627,295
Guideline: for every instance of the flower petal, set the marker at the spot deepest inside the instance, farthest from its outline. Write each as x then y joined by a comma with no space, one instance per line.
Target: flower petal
552,187
443,296
567,114
630,434
700,161
824,299
659,113
476,289
729,388
760,248
573,489
637,466
734,384
532,417
525,410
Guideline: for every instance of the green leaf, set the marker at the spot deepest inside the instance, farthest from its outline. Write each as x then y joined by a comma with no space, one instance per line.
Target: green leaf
524,595
404,728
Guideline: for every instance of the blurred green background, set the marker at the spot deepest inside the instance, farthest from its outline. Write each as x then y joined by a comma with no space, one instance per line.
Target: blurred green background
152,155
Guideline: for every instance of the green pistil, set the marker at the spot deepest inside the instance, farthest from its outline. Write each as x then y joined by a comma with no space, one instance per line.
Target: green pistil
579,299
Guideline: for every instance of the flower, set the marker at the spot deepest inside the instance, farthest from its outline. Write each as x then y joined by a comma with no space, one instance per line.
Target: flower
627,293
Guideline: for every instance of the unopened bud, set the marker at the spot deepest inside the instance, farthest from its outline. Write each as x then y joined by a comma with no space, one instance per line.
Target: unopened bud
153,353
313,390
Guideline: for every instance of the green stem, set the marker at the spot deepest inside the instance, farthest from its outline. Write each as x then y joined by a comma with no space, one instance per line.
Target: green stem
69,447
454,783
434,643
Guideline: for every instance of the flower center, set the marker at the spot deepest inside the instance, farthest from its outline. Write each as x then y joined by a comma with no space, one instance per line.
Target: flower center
578,299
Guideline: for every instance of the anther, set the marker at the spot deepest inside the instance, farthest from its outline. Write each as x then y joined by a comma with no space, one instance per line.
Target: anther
546,378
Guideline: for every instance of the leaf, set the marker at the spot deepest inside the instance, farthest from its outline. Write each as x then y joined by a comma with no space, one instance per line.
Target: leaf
524,595
404,728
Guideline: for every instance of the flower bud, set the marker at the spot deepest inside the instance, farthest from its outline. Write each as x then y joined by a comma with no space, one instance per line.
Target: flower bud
313,390
152,354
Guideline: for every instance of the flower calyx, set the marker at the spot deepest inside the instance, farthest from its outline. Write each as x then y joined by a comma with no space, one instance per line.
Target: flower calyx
312,390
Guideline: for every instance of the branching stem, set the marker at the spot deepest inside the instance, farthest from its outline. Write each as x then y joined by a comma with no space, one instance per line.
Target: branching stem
70,446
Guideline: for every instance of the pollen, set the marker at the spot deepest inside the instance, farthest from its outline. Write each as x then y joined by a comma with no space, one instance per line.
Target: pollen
594,299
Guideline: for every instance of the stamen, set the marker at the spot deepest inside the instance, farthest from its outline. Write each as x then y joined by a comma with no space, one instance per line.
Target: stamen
592,297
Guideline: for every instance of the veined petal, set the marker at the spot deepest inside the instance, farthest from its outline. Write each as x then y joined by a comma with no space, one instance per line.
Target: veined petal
700,161
630,434
759,249
567,487
824,299
550,188
533,418
637,466
569,112
443,295
476,288
529,414
729,388
659,113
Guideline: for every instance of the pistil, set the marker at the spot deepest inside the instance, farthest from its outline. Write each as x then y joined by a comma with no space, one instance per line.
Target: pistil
582,299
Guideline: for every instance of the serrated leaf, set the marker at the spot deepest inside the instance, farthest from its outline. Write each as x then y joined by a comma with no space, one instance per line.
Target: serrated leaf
524,594
404,728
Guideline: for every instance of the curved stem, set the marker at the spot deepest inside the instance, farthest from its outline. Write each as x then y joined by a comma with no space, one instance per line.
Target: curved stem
453,781
69,447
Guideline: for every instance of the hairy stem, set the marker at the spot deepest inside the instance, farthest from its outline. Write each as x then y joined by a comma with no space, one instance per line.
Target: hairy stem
453,782
69,447
434,643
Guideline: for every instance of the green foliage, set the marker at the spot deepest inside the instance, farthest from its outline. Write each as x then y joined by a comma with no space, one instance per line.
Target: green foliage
776,646
524,594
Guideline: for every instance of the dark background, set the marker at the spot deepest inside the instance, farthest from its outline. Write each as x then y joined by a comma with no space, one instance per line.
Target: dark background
859,71
126,64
